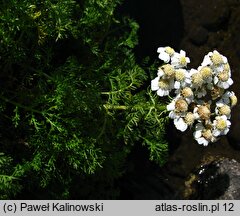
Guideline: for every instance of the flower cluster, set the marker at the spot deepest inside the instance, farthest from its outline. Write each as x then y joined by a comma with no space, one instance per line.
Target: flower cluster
201,99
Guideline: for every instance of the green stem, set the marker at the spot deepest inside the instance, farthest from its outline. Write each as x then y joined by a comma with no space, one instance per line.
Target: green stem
123,107
20,105
115,107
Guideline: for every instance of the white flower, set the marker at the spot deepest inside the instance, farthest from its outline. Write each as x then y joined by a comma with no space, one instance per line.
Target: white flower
229,98
178,107
162,86
187,94
221,125
209,81
179,60
196,78
166,71
202,111
223,109
203,135
182,123
214,59
206,73
182,78
223,84
223,78
165,53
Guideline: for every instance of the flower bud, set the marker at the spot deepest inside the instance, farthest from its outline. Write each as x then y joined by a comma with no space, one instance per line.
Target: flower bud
204,112
189,118
233,99
223,76
217,59
181,105
197,79
187,92
164,84
207,134
170,51
224,110
216,92
180,75
168,70
206,72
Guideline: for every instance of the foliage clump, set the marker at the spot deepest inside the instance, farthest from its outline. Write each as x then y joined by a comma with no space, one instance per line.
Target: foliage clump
72,99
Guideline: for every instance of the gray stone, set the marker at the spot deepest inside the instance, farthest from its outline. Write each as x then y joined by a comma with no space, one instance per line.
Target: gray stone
198,35
219,179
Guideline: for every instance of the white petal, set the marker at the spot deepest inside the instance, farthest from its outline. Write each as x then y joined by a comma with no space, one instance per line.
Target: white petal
171,106
193,71
182,52
172,115
230,81
165,92
160,49
223,85
206,61
216,132
177,85
197,134
224,117
215,79
228,122
160,73
164,56
224,59
225,131
160,92
180,124
154,84
203,141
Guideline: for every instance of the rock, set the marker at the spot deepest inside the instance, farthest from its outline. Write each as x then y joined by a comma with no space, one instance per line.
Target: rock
219,179
215,15
198,35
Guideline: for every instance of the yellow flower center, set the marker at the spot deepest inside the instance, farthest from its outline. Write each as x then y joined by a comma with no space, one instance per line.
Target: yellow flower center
187,92
221,124
206,72
170,51
216,92
181,105
168,70
223,76
164,84
226,67
207,134
197,79
216,59
224,110
204,112
183,60
189,118
180,75
233,99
